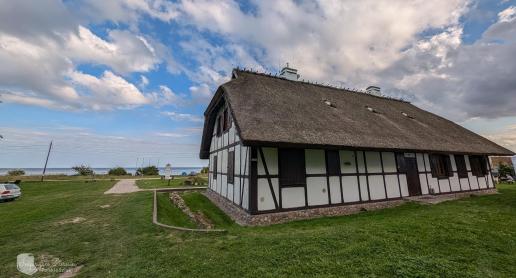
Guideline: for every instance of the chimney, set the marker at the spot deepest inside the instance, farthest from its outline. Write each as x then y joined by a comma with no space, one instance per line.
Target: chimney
374,90
289,73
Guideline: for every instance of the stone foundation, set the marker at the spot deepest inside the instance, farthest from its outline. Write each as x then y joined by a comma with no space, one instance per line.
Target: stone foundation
243,218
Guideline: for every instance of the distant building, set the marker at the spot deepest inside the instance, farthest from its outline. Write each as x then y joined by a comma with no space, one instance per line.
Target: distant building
277,144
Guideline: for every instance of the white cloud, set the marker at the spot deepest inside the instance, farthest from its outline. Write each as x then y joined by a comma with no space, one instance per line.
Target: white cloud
143,81
125,53
507,15
505,137
182,116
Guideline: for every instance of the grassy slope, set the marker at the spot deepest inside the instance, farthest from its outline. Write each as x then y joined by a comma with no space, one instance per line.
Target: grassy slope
198,202
473,237
170,214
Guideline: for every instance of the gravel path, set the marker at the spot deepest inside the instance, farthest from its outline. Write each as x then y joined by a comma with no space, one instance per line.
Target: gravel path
123,186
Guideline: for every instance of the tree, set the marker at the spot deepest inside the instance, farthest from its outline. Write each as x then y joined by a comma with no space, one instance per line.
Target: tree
83,170
205,170
147,171
505,170
16,172
117,171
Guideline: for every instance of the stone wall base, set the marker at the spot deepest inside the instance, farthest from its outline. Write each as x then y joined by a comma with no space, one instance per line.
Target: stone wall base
243,218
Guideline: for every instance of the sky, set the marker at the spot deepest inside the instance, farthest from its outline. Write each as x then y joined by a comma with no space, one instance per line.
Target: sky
126,82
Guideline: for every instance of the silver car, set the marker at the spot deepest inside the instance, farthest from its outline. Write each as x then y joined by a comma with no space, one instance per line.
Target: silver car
9,191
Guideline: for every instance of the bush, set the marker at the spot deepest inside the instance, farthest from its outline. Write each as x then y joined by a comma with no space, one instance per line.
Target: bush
204,170
117,171
83,170
505,170
16,172
147,171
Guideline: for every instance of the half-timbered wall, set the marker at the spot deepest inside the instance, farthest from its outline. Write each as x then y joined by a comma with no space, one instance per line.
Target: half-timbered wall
220,148
366,176
453,183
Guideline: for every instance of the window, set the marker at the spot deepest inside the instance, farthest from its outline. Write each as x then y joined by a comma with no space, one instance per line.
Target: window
461,166
400,160
231,167
292,167
441,166
478,165
214,167
219,125
227,120
333,163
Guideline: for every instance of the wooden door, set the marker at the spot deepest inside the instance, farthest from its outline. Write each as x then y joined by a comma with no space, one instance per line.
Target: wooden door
414,187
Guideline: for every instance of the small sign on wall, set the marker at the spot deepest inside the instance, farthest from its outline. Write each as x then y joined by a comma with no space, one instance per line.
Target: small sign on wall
409,155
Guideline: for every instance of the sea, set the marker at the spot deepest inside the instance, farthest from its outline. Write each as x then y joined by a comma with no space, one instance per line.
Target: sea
98,171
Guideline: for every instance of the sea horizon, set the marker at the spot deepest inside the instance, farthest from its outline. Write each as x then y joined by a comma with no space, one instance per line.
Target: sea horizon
29,171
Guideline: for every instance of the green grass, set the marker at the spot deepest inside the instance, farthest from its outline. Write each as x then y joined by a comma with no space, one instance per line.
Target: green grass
472,237
178,181
198,202
169,214
6,178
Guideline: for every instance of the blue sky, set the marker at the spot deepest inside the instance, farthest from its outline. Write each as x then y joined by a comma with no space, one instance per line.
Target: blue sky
113,82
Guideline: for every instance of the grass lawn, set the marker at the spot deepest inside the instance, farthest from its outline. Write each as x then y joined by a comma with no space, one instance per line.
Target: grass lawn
178,181
68,177
473,237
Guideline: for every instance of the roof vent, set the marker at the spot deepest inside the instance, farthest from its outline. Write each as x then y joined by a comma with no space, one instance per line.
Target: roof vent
289,73
373,90
407,115
371,109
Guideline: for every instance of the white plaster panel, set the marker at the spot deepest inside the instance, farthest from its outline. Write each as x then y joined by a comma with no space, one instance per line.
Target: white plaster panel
419,160
265,200
473,181
237,192
245,200
391,183
389,162
335,194
293,197
315,161
464,183
230,191
271,158
432,183
360,160
468,166
376,187
347,162
482,182
231,134
422,181
237,159
350,189
427,162
454,183
317,191
373,162
363,188
224,185
403,185
224,164
489,181
445,185
219,183
453,164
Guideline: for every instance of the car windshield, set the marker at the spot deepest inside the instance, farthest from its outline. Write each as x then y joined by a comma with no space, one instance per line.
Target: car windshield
11,186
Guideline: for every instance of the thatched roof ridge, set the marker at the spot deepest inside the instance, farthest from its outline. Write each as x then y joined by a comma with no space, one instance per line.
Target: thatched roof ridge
272,111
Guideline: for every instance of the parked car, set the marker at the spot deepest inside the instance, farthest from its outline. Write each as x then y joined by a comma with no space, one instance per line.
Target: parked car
9,191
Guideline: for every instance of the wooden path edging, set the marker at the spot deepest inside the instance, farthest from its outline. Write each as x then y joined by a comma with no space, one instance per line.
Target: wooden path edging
155,214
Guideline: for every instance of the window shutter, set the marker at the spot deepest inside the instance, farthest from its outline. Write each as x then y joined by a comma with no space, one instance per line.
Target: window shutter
433,165
333,163
400,159
231,167
292,167
449,168
214,167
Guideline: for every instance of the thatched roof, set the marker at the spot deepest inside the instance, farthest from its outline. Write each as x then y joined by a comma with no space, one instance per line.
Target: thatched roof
271,111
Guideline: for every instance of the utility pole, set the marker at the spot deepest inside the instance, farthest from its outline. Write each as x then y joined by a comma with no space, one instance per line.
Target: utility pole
46,161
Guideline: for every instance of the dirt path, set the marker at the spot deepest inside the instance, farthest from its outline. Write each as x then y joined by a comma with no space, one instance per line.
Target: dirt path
123,186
